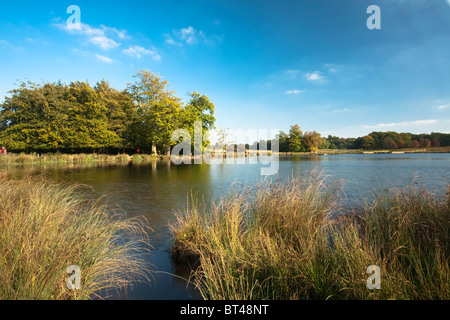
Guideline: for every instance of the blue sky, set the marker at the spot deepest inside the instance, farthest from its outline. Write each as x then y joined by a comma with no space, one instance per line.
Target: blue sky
265,64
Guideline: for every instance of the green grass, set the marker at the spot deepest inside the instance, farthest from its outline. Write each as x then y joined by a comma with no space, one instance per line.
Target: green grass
293,240
45,228
25,158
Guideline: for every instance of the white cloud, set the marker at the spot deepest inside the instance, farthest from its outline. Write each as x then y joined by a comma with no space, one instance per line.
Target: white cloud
340,110
443,106
138,52
448,1
402,124
104,58
100,37
295,91
314,76
190,36
104,42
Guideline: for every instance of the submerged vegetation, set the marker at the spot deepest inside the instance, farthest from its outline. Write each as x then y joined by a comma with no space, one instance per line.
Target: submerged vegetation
45,228
293,240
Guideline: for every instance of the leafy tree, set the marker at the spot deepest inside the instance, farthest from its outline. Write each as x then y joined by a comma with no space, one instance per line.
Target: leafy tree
283,141
163,119
295,139
147,91
201,109
389,143
366,142
121,114
311,141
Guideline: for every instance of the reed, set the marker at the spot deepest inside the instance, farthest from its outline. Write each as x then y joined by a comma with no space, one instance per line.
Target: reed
293,240
45,228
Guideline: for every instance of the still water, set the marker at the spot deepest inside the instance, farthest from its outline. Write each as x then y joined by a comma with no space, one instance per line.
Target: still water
155,190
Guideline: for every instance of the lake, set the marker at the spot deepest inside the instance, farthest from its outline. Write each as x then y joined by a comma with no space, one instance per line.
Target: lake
155,190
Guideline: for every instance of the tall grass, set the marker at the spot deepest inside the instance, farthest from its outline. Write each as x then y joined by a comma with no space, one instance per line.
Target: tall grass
33,158
45,228
293,240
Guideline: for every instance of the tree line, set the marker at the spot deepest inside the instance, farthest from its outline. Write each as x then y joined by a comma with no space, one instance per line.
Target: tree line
76,117
297,141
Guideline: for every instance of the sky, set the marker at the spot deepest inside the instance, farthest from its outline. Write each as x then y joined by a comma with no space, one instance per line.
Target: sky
265,64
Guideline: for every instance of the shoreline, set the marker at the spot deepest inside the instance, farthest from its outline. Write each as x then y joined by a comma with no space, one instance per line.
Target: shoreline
33,159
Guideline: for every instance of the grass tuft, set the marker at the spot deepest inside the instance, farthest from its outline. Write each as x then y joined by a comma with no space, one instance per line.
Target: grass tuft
45,228
287,240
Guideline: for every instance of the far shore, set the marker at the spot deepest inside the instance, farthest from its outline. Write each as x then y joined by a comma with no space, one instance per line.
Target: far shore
48,158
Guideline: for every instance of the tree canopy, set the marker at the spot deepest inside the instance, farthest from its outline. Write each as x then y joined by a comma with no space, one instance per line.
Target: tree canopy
76,117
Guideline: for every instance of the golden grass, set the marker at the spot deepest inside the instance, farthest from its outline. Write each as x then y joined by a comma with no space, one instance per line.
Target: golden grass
45,228
292,240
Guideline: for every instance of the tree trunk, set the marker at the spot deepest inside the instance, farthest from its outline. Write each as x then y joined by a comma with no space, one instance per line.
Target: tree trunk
153,149
168,150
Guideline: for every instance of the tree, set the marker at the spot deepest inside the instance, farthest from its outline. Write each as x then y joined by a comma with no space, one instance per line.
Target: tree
147,91
389,143
415,144
324,144
311,141
163,119
366,142
199,108
121,114
425,142
283,141
295,139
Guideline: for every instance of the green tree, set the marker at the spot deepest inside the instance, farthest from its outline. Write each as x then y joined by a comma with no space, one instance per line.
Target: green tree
283,141
201,109
163,119
147,91
295,139
121,114
366,142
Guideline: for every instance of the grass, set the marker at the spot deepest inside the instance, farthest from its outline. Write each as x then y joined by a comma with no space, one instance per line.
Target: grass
293,240
25,158
45,228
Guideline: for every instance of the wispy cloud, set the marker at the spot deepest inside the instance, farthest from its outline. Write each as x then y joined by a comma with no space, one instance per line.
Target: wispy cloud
402,124
290,92
101,37
315,76
138,52
443,106
190,36
104,58
184,36
340,110
332,68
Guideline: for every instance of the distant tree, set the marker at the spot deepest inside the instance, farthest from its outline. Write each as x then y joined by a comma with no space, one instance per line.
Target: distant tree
415,144
389,143
324,144
311,141
283,141
435,142
295,139
425,142
366,142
